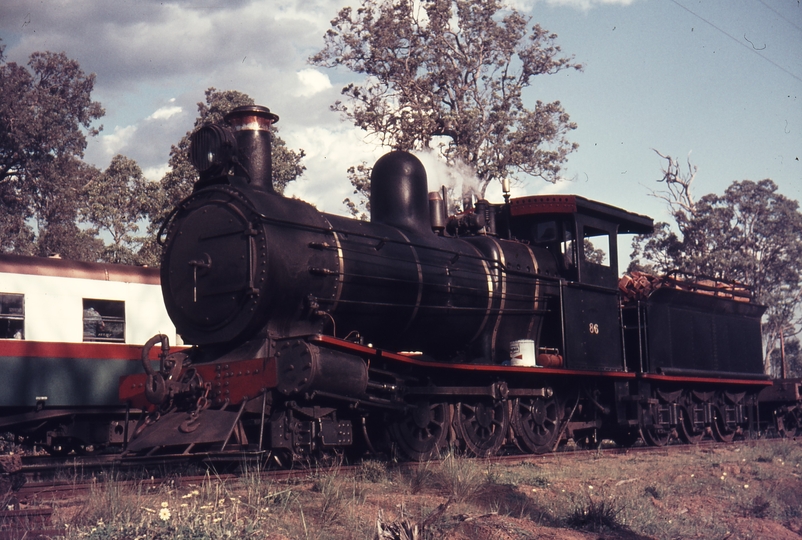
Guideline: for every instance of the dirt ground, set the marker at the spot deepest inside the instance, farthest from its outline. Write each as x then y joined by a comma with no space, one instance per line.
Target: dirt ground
740,491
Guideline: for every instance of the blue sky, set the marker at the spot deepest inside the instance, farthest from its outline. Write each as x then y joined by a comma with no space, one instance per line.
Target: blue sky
721,80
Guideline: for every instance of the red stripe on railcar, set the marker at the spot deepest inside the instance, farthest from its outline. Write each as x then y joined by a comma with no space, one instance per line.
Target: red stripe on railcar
46,349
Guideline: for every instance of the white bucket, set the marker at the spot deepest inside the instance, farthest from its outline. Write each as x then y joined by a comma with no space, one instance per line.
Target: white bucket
522,353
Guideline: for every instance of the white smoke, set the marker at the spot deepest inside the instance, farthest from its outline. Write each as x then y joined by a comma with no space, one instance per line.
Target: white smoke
459,178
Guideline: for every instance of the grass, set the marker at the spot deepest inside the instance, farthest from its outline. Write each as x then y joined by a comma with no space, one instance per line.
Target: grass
596,514
454,476
702,494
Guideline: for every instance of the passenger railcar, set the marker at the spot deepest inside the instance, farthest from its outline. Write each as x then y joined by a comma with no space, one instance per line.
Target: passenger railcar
68,332
312,331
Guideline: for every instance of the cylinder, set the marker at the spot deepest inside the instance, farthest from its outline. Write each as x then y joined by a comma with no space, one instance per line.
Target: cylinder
303,368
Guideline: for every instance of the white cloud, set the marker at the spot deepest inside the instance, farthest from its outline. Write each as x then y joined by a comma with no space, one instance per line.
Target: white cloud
584,5
145,52
156,173
114,142
135,43
312,81
330,151
165,112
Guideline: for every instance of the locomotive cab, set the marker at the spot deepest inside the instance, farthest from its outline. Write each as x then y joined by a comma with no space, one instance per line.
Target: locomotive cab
559,222
582,236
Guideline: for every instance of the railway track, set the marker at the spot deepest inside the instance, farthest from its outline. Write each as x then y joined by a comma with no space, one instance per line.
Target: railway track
50,482
48,477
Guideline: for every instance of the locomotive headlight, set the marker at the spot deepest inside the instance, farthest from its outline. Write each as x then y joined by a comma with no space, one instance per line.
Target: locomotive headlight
211,149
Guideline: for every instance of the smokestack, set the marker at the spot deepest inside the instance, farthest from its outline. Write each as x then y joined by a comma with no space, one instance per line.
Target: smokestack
251,125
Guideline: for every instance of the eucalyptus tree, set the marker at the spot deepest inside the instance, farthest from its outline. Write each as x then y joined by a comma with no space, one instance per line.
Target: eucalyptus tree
451,75
46,113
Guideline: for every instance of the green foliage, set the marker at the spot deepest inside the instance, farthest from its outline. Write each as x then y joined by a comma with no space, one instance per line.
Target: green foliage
287,165
58,198
43,111
457,69
46,112
47,190
115,203
751,234
359,176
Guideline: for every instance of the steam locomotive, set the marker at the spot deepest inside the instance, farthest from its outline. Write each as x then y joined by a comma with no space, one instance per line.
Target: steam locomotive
502,325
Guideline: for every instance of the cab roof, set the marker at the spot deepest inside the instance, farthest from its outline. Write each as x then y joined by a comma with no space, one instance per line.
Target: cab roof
628,222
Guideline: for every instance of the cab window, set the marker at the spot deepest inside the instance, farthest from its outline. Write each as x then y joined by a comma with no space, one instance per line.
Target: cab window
568,250
558,237
596,246
598,260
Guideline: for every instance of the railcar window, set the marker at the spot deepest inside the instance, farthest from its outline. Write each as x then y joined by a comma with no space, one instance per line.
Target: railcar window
597,246
104,320
12,316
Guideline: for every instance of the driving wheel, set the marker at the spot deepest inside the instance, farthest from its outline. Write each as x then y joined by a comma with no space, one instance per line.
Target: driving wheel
536,423
482,426
421,433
